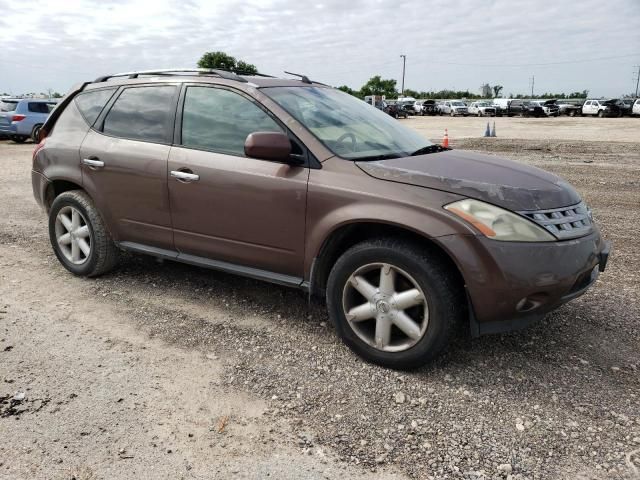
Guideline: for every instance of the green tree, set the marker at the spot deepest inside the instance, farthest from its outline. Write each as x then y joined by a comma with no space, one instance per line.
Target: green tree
349,90
496,90
225,61
411,93
378,86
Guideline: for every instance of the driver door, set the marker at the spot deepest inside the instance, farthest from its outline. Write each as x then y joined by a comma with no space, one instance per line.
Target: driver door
231,208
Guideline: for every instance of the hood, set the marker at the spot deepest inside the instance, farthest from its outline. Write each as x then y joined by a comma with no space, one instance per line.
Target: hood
492,179
550,102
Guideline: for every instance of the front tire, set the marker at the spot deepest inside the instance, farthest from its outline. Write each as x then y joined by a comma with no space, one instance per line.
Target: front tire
79,236
394,303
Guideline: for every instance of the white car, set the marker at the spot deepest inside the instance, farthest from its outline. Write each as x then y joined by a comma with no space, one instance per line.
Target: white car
454,107
482,109
635,110
551,109
601,108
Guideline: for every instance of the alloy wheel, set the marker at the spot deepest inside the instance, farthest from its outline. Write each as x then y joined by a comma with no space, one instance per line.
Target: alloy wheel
73,235
385,307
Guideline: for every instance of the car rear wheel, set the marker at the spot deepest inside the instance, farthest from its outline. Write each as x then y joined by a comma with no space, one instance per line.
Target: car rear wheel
393,303
35,132
19,139
601,113
79,237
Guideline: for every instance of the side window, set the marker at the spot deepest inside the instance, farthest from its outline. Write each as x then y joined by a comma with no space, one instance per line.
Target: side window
220,120
142,113
92,102
38,107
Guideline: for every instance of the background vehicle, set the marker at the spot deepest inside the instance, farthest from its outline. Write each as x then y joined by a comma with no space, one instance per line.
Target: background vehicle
549,107
406,106
636,107
395,110
454,107
429,107
136,161
482,109
601,108
524,109
21,118
570,109
626,106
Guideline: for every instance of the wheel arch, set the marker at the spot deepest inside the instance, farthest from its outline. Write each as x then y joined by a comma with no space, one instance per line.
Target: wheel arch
57,187
345,236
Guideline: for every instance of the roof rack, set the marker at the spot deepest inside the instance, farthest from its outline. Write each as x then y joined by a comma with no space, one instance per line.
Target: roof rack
304,78
228,75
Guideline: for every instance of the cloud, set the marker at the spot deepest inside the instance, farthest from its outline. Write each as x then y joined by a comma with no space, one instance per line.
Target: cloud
449,43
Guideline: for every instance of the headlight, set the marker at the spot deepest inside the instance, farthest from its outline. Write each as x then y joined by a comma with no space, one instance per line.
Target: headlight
498,223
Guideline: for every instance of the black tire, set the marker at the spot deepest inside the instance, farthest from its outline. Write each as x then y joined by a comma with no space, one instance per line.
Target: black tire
35,132
445,299
104,254
572,113
19,139
601,114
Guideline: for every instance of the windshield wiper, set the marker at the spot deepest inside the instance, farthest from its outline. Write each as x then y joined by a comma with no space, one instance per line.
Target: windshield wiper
383,156
430,149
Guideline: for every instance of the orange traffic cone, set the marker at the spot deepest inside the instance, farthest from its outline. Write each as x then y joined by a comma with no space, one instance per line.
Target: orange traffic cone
445,140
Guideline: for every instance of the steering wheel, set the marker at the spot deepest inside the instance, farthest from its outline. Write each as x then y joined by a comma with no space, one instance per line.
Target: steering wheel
350,135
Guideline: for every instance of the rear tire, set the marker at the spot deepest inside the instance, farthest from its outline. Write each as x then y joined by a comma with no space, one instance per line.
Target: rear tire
601,114
86,252
414,269
35,132
19,139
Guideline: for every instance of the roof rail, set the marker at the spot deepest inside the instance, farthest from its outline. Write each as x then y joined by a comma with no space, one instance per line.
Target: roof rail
170,71
305,79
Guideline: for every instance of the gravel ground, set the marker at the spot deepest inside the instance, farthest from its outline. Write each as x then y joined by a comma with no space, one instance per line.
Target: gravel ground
134,374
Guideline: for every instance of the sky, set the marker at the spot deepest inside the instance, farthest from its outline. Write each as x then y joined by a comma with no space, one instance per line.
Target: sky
567,45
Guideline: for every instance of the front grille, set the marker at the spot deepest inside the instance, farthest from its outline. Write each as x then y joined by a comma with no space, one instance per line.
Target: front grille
566,222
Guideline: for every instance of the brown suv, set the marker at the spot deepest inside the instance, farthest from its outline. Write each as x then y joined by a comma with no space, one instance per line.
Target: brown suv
299,184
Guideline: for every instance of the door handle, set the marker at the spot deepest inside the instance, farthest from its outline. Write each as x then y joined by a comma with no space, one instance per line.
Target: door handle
93,162
186,177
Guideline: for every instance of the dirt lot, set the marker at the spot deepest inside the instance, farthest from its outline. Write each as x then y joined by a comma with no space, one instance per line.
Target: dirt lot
161,370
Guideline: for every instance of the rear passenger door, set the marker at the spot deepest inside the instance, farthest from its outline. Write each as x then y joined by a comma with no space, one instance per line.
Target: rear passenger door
124,163
239,210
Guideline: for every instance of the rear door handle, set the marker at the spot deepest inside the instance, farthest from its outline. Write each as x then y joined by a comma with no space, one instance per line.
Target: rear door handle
93,162
185,176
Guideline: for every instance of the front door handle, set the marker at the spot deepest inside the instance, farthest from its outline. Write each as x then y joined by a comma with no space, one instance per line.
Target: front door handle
93,162
186,177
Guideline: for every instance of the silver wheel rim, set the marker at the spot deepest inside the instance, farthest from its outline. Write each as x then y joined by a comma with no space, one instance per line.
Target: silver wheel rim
385,307
73,235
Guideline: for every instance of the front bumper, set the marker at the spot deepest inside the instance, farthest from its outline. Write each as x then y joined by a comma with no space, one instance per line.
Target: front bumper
511,285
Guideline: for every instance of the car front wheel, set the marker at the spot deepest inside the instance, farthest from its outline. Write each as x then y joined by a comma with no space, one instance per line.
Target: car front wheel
79,236
393,303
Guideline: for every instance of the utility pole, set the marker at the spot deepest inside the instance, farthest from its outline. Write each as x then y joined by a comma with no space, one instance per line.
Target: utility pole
637,80
404,63
533,82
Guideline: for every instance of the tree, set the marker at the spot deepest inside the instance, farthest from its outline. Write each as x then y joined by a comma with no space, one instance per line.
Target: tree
349,90
378,86
411,93
224,61
496,90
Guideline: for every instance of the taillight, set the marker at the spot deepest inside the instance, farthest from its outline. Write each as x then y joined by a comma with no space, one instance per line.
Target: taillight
18,118
38,148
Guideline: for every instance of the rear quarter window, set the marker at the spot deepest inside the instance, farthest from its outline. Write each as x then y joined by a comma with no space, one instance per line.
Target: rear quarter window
92,102
8,106
38,107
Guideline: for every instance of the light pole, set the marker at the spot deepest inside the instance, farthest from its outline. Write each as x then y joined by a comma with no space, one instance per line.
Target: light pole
404,62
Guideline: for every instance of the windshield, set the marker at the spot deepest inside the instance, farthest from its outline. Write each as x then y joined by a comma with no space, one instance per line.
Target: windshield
458,104
484,104
6,106
349,127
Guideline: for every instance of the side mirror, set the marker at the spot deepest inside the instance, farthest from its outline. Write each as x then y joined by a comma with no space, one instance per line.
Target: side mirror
274,146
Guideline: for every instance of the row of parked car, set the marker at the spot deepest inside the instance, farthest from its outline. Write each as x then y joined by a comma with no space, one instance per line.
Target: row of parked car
512,107
21,118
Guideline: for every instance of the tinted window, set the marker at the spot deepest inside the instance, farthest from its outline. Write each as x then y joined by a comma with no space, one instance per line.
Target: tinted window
91,103
142,113
217,119
6,106
38,107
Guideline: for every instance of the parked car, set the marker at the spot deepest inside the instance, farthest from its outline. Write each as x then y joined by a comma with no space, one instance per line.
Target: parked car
406,106
626,106
395,110
300,184
525,109
601,108
635,110
549,107
570,109
21,118
454,107
429,107
482,109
